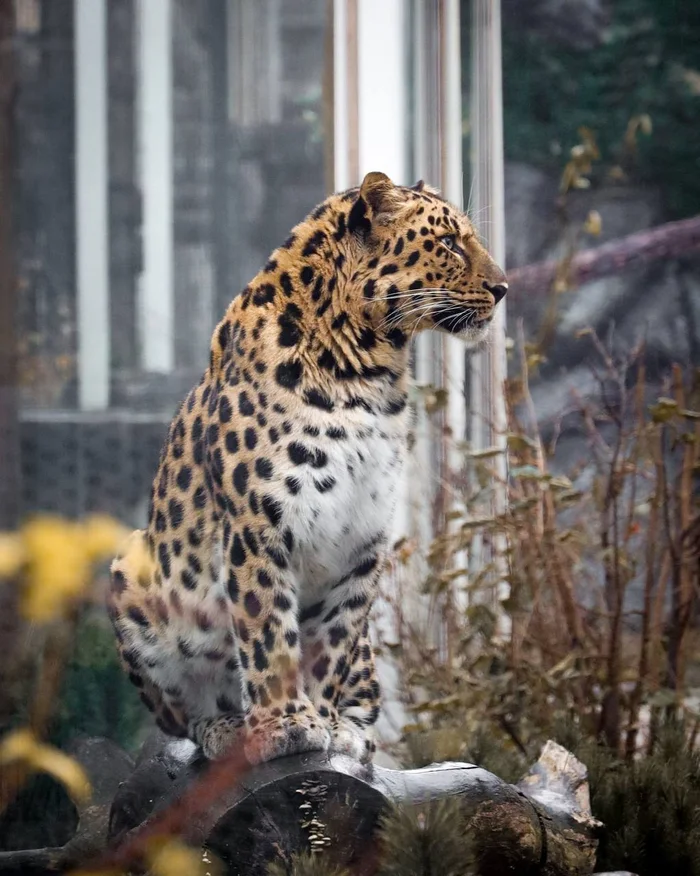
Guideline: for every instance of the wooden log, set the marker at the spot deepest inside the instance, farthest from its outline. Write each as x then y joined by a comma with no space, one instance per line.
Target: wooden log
543,825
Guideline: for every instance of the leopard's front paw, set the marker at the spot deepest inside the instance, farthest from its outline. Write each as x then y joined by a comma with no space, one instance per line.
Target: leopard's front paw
271,735
353,741
217,736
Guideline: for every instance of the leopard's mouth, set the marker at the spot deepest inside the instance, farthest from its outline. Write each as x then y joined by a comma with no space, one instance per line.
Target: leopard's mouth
456,319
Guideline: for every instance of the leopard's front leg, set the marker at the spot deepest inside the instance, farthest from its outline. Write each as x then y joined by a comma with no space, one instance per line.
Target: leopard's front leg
280,719
338,659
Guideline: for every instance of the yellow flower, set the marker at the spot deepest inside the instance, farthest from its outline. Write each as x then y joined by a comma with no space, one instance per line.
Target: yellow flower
593,224
57,557
170,857
12,554
58,567
103,536
23,748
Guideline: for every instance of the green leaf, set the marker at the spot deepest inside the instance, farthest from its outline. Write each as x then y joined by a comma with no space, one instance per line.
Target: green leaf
664,410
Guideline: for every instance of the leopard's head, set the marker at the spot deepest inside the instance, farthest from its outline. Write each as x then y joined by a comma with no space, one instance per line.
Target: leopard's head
419,262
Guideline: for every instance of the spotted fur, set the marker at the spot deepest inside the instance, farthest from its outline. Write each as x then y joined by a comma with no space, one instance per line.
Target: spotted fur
241,611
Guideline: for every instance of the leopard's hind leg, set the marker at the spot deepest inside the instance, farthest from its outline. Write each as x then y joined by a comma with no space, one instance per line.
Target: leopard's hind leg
190,684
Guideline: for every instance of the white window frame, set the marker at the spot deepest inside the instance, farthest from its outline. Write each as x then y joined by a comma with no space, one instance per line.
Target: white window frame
91,204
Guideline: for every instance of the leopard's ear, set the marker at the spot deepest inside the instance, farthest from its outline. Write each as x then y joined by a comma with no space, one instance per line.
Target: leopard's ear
379,192
378,197
419,186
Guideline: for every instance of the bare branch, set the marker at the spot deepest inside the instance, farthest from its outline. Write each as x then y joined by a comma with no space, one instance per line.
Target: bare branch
666,241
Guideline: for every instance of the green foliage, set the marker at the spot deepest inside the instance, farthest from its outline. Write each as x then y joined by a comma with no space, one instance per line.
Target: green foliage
650,807
449,744
97,698
647,63
306,865
432,840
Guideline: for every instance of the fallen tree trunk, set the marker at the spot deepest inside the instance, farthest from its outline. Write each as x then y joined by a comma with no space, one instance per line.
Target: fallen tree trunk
663,242
543,825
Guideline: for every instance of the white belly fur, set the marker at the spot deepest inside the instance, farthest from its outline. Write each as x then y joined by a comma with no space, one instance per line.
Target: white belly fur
331,529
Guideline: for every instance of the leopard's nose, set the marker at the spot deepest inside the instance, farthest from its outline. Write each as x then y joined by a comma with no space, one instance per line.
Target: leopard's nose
498,290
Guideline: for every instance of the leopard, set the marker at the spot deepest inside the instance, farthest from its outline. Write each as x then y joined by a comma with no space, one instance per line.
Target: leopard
242,610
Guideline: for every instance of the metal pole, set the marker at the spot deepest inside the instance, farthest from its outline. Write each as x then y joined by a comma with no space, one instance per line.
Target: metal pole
155,105
488,368
454,353
345,95
91,197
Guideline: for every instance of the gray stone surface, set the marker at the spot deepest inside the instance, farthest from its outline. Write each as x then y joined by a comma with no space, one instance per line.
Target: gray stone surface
658,303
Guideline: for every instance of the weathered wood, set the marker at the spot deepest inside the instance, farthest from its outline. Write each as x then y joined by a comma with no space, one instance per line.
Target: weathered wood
558,785
543,825
667,241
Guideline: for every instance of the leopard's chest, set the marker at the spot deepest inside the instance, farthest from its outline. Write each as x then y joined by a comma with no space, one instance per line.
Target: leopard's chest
345,485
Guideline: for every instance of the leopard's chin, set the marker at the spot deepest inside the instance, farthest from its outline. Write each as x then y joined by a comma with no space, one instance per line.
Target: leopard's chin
463,322
465,326
476,334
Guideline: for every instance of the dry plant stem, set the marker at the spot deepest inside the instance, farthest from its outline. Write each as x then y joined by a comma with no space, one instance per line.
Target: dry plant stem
56,649
633,455
685,600
562,578
535,524
545,533
661,625
532,415
662,572
558,282
614,462
650,580
677,622
614,596
663,581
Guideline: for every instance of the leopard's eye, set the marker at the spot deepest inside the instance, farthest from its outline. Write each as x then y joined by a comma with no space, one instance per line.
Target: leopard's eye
449,240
